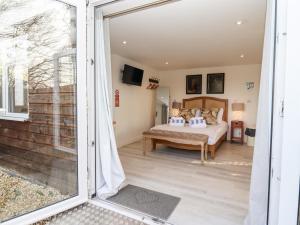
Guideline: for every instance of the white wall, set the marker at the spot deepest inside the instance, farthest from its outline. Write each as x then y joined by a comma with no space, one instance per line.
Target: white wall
137,104
235,86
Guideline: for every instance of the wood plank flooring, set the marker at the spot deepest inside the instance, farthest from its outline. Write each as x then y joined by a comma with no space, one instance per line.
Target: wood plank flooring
212,194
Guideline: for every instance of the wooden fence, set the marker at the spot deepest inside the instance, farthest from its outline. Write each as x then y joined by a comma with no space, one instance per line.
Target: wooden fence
38,133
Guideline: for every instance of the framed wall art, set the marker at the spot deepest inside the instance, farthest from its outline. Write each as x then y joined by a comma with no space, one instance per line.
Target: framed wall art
194,84
215,83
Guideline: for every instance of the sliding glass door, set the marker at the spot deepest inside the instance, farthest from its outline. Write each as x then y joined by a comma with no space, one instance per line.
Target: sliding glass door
42,108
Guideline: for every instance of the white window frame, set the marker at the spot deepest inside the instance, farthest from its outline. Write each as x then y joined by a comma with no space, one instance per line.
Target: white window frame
82,196
4,112
2,109
56,106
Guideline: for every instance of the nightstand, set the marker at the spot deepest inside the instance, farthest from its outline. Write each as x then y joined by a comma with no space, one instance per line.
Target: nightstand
237,131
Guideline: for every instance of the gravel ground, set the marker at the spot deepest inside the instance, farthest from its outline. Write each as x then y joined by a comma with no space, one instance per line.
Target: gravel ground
19,196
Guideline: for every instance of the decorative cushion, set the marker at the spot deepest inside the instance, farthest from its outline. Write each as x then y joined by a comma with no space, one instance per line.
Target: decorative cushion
174,112
210,115
187,114
214,112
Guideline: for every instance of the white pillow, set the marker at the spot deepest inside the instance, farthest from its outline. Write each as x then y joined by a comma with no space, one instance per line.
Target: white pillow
220,115
198,113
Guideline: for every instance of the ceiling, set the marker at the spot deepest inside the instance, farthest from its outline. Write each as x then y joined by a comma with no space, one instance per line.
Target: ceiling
191,34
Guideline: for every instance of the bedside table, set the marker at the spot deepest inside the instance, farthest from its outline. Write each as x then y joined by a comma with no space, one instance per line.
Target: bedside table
237,131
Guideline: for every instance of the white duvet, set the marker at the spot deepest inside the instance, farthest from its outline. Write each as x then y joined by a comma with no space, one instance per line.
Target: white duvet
214,132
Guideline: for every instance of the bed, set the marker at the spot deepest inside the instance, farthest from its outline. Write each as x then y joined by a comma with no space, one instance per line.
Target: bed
214,134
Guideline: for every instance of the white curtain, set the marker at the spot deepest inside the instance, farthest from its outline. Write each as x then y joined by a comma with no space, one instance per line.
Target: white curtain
109,171
258,202
108,61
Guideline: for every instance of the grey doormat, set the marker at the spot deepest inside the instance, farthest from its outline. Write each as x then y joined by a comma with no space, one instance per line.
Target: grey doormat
153,203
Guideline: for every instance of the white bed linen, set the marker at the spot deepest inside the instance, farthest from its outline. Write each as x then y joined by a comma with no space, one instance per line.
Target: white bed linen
214,132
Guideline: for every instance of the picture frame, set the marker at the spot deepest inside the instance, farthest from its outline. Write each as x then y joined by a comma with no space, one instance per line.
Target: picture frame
194,84
215,83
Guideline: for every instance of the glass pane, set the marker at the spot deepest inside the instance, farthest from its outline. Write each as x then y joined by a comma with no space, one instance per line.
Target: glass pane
38,157
17,89
65,80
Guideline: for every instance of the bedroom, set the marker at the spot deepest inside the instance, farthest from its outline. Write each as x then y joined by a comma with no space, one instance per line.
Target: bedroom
207,42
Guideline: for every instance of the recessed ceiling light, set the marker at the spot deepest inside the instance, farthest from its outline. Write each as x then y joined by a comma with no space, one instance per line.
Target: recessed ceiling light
124,42
167,63
242,56
239,22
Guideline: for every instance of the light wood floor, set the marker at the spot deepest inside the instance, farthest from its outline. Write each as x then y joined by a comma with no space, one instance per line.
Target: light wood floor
212,194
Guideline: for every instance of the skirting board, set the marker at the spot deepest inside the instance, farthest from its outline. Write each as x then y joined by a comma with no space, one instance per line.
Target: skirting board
129,141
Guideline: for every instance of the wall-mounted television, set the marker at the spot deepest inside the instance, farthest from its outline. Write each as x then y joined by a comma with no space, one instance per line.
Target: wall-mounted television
132,75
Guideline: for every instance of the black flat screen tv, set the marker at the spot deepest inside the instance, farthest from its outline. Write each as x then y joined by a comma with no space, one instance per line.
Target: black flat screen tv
132,75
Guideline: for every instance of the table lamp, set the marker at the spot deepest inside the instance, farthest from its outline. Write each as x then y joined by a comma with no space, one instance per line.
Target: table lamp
238,109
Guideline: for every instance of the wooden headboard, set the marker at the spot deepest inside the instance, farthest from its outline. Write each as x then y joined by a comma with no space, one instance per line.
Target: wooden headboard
208,103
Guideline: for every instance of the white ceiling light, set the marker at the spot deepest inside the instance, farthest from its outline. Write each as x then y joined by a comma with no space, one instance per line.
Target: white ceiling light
167,63
239,22
242,56
124,42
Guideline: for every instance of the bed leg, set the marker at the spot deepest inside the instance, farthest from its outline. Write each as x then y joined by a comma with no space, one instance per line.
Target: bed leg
213,154
153,143
206,150
144,145
202,153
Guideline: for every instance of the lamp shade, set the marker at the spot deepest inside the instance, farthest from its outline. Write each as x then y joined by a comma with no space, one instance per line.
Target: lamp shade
238,106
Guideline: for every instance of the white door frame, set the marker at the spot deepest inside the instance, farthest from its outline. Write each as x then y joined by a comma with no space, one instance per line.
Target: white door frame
82,196
283,210
91,100
288,195
92,5
285,167
278,101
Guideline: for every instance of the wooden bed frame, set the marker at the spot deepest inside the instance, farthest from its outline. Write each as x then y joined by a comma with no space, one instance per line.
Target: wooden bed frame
200,102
